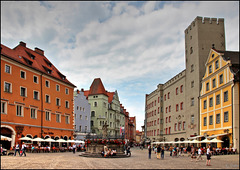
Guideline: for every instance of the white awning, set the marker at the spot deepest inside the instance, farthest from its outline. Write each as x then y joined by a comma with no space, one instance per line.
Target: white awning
195,137
214,136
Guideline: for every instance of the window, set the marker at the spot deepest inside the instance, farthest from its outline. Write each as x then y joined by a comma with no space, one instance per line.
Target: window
110,115
23,74
177,107
225,96
47,99
192,101
218,118
207,86
214,83
47,116
23,91
67,120
184,124
161,109
216,64
205,121
169,108
177,91
57,87
166,109
58,118
47,83
95,104
192,119
225,116
179,126
33,113
211,102
80,128
8,87
218,99
35,95
221,79
192,68
181,88
168,95
93,114
80,117
19,110
169,130
166,119
175,127
66,91
4,107
8,69
85,128
86,118
181,106
192,84
210,69
169,118
191,50
35,79
58,102
205,104
110,124
66,104
165,97
210,120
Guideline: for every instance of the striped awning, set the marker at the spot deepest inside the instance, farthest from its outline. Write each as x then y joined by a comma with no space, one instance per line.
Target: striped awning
214,136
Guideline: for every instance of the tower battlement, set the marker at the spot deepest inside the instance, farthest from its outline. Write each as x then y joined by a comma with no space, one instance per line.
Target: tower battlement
204,20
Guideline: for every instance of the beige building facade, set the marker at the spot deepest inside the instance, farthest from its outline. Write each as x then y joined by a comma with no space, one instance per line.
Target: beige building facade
180,94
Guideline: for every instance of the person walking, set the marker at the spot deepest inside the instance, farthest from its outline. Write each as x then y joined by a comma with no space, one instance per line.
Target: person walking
199,154
170,149
208,156
74,148
17,149
162,152
23,149
192,153
158,151
149,151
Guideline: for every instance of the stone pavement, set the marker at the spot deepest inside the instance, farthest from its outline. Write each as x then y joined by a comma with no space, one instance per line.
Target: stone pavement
138,160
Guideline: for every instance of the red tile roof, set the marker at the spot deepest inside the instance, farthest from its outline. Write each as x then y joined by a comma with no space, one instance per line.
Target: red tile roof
97,87
33,59
110,96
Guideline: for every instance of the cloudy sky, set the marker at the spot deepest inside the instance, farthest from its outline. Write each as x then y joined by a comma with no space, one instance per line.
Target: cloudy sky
132,46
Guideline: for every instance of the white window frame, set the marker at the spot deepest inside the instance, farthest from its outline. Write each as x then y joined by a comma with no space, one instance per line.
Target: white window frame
225,96
37,79
217,118
58,89
34,113
48,84
22,110
59,101
80,128
192,101
46,98
86,117
226,113
211,120
25,91
80,117
10,69
57,114
25,75
66,91
67,119
37,94
66,103
5,107
10,90
48,116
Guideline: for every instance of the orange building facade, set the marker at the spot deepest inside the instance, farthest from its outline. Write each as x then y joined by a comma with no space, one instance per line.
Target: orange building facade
36,99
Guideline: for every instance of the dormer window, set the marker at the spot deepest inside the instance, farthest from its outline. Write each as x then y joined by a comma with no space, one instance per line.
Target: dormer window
32,57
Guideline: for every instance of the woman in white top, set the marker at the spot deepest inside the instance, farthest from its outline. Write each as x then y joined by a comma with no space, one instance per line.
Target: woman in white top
208,155
199,154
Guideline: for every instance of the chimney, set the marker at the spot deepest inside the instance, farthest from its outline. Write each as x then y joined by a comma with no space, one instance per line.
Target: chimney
22,44
78,91
39,51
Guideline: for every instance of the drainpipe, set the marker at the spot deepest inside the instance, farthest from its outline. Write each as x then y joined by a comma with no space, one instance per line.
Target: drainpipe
232,114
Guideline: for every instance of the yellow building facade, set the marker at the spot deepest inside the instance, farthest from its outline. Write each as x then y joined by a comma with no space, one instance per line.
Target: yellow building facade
216,97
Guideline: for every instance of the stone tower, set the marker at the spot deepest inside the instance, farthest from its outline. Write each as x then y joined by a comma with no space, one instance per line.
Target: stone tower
202,35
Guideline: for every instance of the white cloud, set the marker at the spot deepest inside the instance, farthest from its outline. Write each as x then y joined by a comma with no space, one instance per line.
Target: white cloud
117,42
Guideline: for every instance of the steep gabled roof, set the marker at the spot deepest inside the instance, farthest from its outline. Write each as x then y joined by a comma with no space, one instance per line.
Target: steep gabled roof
33,59
110,96
97,87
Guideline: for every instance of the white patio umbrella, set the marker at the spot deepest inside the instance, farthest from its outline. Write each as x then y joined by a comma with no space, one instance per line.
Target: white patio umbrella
5,138
60,140
25,138
187,141
195,141
49,140
71,141
79,141
216,140
179,142
205,141
38,140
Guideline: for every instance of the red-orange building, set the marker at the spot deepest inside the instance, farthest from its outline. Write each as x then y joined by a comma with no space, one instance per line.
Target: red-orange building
132,124
36,98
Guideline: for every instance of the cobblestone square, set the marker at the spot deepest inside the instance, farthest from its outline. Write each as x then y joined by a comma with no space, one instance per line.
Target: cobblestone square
138,160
